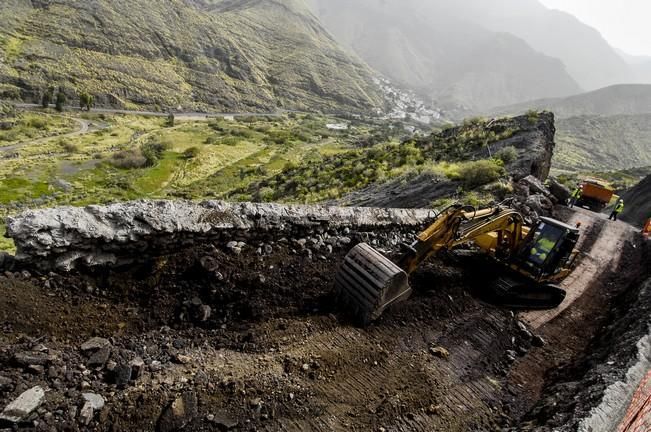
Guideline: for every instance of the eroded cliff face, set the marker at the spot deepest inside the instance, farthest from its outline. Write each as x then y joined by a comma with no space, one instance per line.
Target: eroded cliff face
532,137
124,233
638,203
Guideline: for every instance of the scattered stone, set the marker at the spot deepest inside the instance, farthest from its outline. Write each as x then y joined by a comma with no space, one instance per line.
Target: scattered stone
31,358
439,352
538,341
36,369
433,409
155,366
137,368
182,359
95,343
209,264
5,384
255,402
224,421
121,375
99,358
203,313
179,413
23,406
86,414
96,401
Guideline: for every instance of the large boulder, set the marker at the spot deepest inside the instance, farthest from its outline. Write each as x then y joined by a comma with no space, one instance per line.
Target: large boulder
559,191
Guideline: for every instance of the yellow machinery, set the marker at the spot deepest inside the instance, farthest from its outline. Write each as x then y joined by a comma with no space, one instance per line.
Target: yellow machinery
531,260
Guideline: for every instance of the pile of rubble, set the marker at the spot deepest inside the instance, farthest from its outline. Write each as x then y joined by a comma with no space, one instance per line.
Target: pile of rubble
119,234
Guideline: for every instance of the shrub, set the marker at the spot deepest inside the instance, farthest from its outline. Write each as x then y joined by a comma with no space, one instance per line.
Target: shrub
478,173
152,152
191,153
266,194
60,101
128,159
69,147
36,123
533,116
507,154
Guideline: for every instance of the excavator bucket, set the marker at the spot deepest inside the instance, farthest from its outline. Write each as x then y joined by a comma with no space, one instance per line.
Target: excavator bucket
368,283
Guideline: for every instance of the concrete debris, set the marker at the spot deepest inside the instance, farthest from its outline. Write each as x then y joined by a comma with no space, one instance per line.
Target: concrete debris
18,410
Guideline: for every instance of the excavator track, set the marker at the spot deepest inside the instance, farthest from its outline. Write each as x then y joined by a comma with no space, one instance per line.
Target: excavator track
515,294
368,283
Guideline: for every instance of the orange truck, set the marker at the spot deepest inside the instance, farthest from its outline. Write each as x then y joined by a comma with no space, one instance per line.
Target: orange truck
596,195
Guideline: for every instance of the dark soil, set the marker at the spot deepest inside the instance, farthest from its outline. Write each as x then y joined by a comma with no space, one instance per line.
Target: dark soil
277,354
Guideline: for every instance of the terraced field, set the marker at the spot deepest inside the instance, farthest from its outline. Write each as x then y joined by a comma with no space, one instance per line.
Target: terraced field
48,159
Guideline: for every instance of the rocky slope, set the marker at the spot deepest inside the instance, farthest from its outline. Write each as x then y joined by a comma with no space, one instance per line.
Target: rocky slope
224,54
638,203
606,143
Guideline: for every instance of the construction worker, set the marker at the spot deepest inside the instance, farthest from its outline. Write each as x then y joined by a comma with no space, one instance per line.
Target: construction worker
576,195
619,208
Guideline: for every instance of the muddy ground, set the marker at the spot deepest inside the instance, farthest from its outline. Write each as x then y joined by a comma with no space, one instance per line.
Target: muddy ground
251,342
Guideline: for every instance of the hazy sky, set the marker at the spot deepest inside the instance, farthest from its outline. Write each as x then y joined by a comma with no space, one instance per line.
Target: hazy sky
624,23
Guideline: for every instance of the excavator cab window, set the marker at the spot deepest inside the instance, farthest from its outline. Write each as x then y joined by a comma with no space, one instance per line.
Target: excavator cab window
548,246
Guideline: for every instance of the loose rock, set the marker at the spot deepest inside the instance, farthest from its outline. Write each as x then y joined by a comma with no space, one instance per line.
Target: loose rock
179,413
95,344
23,406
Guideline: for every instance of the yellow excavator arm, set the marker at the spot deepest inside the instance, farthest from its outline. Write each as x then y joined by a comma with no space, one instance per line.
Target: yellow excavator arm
493,230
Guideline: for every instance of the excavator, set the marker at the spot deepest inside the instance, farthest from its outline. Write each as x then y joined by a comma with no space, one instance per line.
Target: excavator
530,260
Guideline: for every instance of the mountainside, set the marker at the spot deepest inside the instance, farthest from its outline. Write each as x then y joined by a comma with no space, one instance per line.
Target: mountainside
227,54
638,203
589,58
630,99
589,143
442,54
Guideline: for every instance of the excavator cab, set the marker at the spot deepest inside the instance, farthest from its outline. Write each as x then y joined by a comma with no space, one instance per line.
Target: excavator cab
548,248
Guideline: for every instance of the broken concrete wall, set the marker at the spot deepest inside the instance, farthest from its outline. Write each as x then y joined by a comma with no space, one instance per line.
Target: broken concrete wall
120,234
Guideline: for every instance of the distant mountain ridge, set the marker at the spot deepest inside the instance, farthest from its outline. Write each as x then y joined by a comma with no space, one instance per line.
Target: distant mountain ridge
626,99
479,54
226,54
443,55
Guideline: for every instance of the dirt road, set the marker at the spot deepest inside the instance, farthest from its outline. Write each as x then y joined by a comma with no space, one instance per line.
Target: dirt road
84,127
275,353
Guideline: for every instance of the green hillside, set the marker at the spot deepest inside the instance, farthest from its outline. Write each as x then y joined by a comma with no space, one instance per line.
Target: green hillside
596,143
224,54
